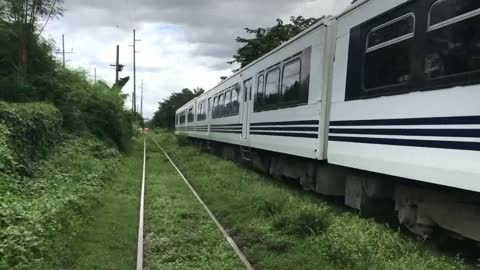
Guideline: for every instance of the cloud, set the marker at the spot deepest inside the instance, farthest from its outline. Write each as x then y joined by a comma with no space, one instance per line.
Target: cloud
185,43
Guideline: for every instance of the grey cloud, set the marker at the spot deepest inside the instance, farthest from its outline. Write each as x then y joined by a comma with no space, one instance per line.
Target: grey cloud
213,24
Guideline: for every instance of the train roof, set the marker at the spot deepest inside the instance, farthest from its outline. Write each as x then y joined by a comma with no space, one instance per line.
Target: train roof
323,21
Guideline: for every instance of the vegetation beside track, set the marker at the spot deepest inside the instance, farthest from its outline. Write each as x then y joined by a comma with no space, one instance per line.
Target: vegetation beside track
179,234
280,228
40,213
109,239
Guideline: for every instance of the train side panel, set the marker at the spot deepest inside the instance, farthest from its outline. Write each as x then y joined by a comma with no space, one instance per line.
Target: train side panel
424,125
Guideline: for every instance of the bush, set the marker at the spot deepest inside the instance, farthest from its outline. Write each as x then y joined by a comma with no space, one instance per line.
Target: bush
29,131
33,214
87,107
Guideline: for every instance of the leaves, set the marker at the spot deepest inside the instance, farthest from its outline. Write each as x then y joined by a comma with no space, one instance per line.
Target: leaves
165,116
51,202
267,39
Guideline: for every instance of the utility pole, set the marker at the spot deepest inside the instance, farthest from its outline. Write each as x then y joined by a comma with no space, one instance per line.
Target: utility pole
63,49
141,101
134,97
63,52
141,106
95,75
117,66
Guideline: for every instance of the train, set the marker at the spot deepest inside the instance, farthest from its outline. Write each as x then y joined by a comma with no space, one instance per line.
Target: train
379,105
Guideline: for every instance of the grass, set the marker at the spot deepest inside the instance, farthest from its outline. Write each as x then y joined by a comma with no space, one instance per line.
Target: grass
109,240
179,234
278,228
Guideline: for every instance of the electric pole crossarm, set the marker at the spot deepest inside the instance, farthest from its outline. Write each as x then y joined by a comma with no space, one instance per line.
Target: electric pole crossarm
63,52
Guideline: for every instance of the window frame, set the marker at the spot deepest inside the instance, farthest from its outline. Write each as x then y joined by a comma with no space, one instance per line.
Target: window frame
418,82
392,41
388,87
271,70
258,104
450,21
188,114
296,102
451,80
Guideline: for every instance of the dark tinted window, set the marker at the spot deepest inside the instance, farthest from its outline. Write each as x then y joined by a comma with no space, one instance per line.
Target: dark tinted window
201,111
260,90
190,115
384,34
444,10
291,90
388,62
182,118
271,87
453,47
228,102
215,107
235,99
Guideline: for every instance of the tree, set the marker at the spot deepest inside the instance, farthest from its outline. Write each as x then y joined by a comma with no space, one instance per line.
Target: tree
165,116
25,15
267,39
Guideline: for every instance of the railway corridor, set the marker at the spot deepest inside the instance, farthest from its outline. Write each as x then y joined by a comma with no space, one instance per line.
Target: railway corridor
275,226
178,232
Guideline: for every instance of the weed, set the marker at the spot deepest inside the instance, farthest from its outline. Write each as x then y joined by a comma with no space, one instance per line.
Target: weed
280,228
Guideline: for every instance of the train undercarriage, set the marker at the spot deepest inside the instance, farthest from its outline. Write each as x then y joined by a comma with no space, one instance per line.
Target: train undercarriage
420,207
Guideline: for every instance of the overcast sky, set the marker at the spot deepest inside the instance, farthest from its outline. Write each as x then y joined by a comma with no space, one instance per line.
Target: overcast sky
185,43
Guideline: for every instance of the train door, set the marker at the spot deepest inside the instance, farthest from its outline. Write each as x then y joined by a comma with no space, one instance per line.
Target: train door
246,100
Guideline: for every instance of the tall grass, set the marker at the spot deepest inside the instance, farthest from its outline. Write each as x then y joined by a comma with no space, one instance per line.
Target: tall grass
280,228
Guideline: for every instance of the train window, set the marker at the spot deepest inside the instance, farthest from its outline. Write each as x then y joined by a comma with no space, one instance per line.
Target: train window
209,106
221,105
201,113
260,90
387,59
291,90
215,106
235,98
190,115
453,38
271,87
228,102
182,117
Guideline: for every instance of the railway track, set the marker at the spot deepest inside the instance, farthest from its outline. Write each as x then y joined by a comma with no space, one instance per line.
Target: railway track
141,211
140,251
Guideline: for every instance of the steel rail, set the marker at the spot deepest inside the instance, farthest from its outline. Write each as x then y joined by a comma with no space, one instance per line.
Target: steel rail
229,239
141,212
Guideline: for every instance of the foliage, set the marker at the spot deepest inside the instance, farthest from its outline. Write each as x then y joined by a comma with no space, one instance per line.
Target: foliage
165,116
24,16
34,213
41,61
267,39
29,132
109,239
86,107
278,227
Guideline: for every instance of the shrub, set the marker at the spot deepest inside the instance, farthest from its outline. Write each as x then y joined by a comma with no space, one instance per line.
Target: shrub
29,131
33,214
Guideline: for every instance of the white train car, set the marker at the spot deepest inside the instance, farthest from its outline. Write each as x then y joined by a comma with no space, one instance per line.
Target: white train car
244,109
378,104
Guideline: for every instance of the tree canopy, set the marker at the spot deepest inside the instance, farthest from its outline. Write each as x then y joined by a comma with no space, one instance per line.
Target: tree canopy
165,116
267,39
25,16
